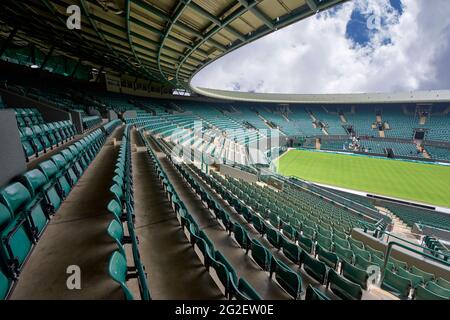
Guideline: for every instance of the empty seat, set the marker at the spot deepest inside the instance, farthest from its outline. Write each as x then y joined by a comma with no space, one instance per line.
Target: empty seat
343,288
118,271
261,255
396,284
274,237
354,274
437,289
241,236
326,256
315,294
415,279
244,291
292,251
443,283
315,268
425,275
288,279
422,293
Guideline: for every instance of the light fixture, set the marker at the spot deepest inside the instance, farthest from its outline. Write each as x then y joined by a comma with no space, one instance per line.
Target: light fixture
34,66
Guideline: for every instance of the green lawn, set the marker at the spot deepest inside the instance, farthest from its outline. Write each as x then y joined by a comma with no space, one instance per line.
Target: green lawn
426,183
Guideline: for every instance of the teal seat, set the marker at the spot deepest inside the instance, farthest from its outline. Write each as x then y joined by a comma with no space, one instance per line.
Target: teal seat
274,237
288,279
443,283
305,243
375,252
425,275
5,285
398,264
289,232
242,237
437,289
315,268
115,209
324,242
223,275
244,291
343,288
396,284
259,224
52,189
118,270
356,243
362,263
354,274
344,254
261,255
115,231
415,279
361,252
315,294
66,176
422,293
326,256
292,251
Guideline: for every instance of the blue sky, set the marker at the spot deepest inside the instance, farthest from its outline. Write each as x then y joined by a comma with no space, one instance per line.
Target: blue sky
360,46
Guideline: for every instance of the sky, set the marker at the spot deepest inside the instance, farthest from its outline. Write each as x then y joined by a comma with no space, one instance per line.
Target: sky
358,46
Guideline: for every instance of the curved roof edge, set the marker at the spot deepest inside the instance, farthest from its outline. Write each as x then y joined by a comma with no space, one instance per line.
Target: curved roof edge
398,97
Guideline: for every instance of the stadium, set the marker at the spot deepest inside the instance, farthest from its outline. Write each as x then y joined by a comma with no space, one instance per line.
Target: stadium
121,180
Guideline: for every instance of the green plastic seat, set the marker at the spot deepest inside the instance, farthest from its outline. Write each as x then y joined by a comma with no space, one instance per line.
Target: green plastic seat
241,236
354,274
343,288
292,251
415,279
115,231
443,283
422,293
244,291
344,254
118,270
326,256
362,263
261,255
425,275
341,241
305,243
396,284
437,289
5,285
398,264
274,237
259,224
288,279
314,268
115,209
315,294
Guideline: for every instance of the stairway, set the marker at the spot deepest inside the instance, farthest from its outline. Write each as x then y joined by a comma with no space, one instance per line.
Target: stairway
399,228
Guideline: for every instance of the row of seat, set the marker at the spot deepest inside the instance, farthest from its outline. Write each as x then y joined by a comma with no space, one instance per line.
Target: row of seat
91,121
27,117
215,262
28,203
39,139
353,267
122,208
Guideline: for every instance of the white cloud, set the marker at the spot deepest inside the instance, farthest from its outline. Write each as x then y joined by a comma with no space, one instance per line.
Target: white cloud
315,56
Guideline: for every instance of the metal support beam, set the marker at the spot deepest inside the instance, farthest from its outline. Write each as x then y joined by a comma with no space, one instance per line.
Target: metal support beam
8,41
179,9
213,19
258,13
130,41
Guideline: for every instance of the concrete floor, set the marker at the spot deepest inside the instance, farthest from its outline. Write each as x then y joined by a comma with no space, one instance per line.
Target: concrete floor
174,270
76,236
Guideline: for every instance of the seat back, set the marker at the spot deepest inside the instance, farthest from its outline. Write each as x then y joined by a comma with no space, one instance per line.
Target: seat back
15,196
437,289
343,288
315,294
396,284
443,283
425,275
244,291
288,279
117,269
326,256
315,268
415,279
292,251
34,180
422,293
355,274
261,255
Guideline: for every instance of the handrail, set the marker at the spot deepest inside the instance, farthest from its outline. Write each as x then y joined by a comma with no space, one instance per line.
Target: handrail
389,250
416,245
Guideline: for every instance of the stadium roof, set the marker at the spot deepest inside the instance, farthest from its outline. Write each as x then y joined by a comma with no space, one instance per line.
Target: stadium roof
431,96
165,41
